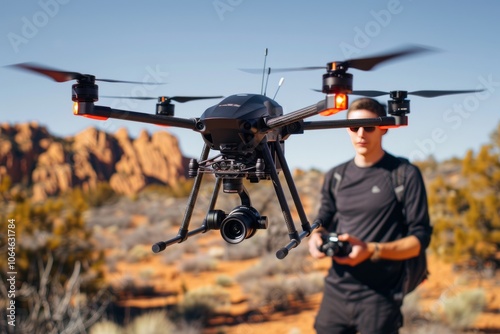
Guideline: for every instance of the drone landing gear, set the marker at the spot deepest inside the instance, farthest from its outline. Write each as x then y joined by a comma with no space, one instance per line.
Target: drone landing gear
243,221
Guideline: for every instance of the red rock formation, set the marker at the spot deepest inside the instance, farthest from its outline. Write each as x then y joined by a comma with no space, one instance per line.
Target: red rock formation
30,156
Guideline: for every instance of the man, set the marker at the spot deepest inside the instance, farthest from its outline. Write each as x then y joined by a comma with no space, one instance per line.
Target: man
364,210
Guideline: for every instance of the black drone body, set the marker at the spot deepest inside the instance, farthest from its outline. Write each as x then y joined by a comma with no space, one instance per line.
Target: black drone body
236,128
236,125
248,131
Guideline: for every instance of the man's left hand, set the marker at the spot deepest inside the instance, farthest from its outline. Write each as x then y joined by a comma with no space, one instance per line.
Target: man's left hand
358,254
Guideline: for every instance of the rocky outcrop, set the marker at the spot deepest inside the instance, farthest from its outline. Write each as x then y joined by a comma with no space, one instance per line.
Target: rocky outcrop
30,156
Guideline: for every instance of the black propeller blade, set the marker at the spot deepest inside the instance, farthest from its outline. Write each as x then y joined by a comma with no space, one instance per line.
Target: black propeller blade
421,93
63,76
364,64
180,99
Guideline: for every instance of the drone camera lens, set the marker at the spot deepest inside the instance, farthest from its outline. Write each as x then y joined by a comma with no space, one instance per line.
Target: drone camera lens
241,224
234,230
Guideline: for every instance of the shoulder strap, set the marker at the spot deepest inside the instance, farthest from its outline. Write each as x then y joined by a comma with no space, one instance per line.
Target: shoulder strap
398,178
338,175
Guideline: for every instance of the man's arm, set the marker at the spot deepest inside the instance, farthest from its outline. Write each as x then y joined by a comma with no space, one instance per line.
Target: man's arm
325,214
401,249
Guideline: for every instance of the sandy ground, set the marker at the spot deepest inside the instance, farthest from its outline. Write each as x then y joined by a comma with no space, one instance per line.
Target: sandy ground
169,283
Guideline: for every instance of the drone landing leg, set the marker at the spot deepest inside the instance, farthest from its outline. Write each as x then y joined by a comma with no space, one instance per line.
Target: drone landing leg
183,233
292,231
293,190
306,227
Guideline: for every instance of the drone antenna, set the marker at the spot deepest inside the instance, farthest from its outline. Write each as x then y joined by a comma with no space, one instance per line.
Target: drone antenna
267,79
263,74
279,86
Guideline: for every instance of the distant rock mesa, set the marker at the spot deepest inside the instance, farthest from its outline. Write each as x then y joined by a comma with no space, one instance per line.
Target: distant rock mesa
30,156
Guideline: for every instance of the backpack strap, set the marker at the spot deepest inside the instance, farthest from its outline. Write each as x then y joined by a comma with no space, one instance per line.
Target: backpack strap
415,269
338,175
398,175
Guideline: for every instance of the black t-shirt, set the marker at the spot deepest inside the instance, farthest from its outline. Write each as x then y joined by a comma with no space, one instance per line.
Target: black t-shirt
365,206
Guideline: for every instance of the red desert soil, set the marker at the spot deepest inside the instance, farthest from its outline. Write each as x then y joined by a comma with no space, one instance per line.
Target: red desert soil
167,279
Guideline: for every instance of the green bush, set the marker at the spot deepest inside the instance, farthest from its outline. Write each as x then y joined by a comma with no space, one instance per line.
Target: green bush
106,327
461,311
295,263
224,280
155,322
198,264
199,304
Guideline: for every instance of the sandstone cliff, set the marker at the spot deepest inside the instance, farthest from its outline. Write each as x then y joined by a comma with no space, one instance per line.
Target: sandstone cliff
30,156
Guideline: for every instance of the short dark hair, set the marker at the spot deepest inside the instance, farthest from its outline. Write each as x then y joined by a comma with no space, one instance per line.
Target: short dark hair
368,104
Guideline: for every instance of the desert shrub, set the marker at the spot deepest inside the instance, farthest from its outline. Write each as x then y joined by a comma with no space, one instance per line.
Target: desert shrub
295,263
224,280
139,253
302,286
199,304
465,212
461,311
274,293
198,264
190,246
249,249
155,322
53,305
143,235
279,291
427,328
106,327
180,190
172,254
411,307
100,195
57,262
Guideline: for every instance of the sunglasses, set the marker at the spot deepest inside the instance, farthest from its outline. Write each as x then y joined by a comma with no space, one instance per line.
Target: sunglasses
365,128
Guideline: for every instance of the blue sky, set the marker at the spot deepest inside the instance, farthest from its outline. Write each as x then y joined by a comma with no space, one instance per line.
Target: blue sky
197,47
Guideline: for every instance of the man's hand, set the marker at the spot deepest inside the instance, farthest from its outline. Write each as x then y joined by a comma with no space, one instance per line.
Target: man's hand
314,242
360,251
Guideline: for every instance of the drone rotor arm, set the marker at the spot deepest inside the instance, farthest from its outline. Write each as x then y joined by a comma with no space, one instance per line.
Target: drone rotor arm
101,112
296,115
385,121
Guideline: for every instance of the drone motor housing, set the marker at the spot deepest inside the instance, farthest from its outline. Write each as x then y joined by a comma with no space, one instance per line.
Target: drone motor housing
85,90
164,107
337,80
399,105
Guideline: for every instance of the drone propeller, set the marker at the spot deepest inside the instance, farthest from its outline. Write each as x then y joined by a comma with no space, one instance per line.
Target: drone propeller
63,76
180,99
421,93
364,64
164,106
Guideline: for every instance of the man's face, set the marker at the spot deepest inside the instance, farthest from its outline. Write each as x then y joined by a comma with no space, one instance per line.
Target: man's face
366,139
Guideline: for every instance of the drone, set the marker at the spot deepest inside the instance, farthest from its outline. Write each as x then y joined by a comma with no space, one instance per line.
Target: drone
248,134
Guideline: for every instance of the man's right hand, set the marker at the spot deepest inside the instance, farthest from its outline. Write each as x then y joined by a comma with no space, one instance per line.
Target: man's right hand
314,243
